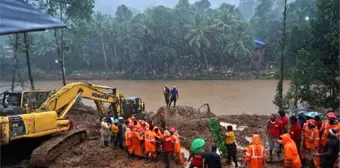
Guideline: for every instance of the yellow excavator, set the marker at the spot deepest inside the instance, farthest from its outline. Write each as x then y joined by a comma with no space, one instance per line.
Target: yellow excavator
32,114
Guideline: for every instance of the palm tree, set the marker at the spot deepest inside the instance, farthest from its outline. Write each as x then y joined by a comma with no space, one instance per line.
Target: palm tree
198,36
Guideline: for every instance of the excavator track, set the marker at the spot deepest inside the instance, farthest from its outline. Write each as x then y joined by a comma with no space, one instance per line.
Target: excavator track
50,149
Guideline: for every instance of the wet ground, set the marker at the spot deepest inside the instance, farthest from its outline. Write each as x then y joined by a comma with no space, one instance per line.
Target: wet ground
190,123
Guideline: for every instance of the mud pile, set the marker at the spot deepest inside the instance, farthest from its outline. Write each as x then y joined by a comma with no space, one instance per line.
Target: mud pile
190,123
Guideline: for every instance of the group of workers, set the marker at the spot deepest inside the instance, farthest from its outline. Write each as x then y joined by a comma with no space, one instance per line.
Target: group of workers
170,95
142,139
306,143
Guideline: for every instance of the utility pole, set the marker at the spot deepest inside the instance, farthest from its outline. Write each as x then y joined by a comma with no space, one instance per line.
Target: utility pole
282,55
28,60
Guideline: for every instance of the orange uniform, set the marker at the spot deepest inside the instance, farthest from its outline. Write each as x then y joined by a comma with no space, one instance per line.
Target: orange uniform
150,143
158,132
291,155
256,154
310,143
326,128
128,140
137,143
177,148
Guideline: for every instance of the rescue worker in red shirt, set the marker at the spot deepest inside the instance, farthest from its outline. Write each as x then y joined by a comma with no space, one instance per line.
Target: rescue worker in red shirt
273,129
284,121
197,160
295,131
168,148
310,143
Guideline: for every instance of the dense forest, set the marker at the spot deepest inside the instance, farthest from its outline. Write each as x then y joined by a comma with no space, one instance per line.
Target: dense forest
191,41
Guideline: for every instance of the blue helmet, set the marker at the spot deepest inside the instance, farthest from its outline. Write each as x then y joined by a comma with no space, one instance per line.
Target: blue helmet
115,121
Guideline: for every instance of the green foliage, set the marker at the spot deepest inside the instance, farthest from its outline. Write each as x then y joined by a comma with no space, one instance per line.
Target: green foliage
214,127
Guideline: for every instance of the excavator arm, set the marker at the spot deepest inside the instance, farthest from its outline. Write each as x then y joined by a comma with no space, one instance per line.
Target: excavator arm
62,100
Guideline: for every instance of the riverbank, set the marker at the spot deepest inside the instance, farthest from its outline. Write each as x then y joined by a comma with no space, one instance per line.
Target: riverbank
109,75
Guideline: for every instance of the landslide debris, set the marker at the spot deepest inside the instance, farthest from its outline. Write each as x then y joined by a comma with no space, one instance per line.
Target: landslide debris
190,123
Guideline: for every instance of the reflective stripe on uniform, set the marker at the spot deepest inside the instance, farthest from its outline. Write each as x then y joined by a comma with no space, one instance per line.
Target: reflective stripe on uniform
261,155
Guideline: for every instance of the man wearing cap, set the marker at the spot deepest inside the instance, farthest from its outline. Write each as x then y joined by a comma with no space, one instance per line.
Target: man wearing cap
212,159
310,143
331,123
173,96
166,93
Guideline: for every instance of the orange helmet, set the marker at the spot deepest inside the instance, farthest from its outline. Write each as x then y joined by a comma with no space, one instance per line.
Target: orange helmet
331,116
311,122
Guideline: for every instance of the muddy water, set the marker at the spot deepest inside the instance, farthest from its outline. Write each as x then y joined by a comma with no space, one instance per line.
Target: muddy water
224,97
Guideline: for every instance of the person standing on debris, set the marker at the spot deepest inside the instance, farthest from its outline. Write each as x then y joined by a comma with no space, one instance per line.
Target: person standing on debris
174,96
150,143
166,93
137,143
331,123
128,141
330,155
167,145
273,129
105,130
114,133
291,155
120,135
310,144
283,121
256,154
295,131
231,145
197,159
212,159
177,145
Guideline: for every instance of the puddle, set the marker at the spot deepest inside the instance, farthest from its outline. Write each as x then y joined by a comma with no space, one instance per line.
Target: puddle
235,127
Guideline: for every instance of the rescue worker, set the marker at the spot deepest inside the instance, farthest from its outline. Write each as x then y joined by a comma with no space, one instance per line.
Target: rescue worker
295,131
114,132
128,141
150,144
159,136
273,129
231,145
167,145
212,159
124,127
310,143
283,121
291,157
331,151
177,146
166,93
174,96
120,135
197,160
105,130
331,124
137,143
256,154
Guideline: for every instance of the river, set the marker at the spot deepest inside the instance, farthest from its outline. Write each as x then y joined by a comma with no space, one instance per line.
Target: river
224,97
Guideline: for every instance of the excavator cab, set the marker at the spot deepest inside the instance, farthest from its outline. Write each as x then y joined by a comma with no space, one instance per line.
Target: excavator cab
133,106
22,102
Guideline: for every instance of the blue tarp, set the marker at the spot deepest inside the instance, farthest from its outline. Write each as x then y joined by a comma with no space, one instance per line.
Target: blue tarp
17,16
259,42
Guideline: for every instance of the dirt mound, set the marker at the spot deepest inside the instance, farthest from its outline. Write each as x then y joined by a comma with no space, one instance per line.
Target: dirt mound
190,123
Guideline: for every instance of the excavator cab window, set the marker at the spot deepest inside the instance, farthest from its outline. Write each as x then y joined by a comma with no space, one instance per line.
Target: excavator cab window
34,99
11,99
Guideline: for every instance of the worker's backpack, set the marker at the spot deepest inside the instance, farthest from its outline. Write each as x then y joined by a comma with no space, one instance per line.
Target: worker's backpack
114,129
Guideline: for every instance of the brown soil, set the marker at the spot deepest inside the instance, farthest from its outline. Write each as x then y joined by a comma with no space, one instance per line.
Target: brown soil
190,123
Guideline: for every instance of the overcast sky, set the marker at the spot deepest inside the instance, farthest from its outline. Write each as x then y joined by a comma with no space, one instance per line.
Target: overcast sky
109,6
